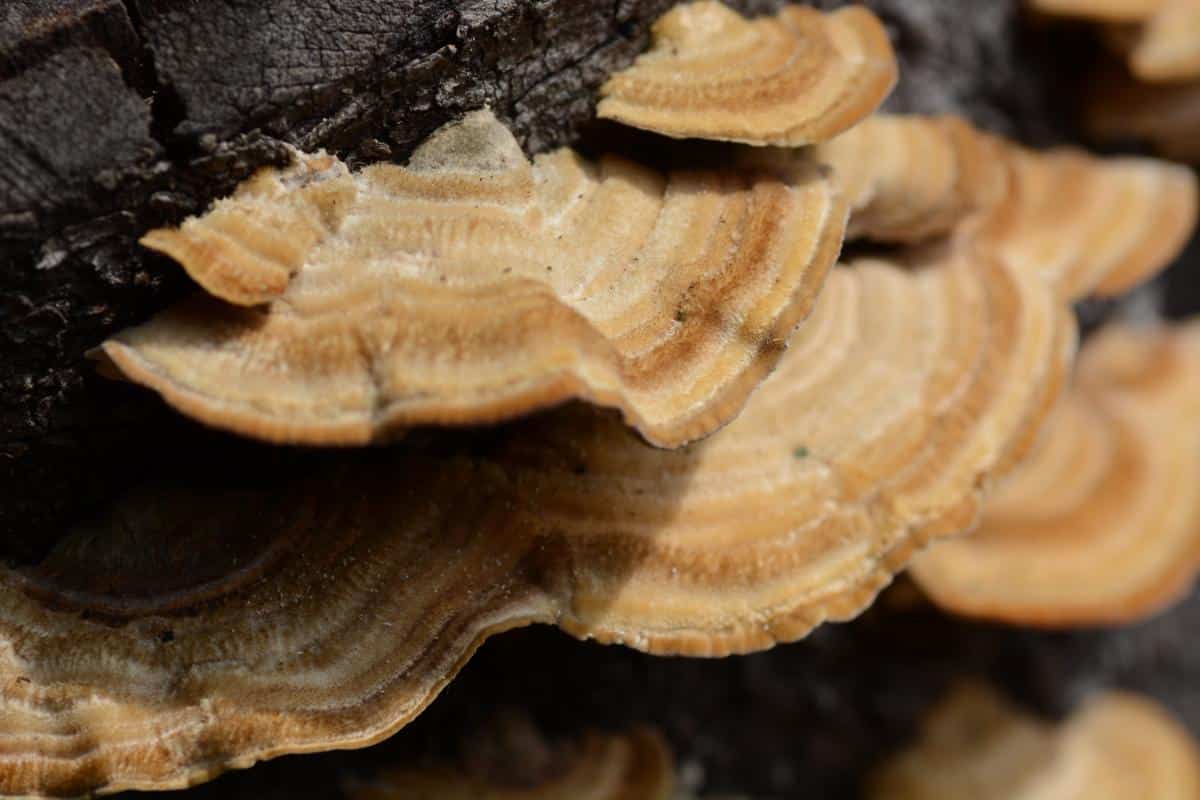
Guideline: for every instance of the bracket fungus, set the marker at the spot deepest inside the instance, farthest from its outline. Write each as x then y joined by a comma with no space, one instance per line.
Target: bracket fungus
1084,224
633,766
911,178
1102,523
1091,225
976,745
473,286
798,77
333,611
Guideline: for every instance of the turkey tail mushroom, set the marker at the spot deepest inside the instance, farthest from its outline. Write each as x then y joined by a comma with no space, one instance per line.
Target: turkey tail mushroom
337,609
474,286
1090,225
798,77
1101,524
911,178
974,744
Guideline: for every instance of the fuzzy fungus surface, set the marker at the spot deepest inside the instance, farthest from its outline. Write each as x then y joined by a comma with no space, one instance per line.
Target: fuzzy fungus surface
330,611
799,77
1086,225
474,286
913,178
1101,524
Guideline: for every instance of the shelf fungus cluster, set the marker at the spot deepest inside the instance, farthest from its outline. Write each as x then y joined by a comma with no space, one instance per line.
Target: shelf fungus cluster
1101,524
632,766
692,352
976,745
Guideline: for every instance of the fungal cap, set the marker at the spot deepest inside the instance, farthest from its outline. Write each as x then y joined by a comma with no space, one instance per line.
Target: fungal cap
246,248
1091,225
474,286
796,78
1168,47
1102,523
912,178
204,637
975,744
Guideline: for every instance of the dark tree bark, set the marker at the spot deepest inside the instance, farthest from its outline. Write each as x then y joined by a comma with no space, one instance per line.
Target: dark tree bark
117,116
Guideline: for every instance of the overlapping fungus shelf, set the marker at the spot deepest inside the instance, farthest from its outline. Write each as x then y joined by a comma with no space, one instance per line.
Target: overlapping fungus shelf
911,178
633,766
1090,225
976,745
474,286
1084,224
329,611
796,78
1102,523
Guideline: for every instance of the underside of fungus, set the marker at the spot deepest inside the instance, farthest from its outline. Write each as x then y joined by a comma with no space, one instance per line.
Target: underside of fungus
474,286
227,624
796,78
1102,523
976,745
634,766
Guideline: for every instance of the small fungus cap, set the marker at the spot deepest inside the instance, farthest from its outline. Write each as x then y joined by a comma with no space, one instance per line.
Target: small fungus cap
976,745
799,77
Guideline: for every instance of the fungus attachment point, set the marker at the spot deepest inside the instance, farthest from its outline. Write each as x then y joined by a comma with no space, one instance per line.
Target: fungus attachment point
976,745
796,78
1102,523
634,766
352,594
474,286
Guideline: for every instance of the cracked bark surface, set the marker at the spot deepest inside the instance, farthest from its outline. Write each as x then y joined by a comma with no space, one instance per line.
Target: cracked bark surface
118,116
